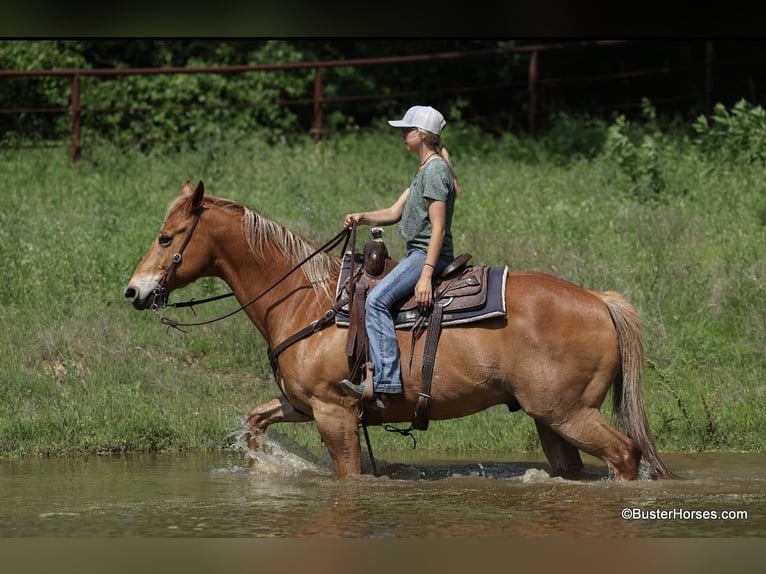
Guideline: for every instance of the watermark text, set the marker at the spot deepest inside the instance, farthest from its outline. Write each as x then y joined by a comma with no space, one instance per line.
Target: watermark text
681,514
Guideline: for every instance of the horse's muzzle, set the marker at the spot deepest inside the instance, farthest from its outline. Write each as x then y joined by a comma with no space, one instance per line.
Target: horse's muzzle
146,294
133,296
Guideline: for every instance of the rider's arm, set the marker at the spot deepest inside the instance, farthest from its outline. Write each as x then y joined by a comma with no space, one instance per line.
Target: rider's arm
386,216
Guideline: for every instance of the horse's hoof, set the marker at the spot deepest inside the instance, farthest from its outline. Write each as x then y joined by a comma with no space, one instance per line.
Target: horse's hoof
254,440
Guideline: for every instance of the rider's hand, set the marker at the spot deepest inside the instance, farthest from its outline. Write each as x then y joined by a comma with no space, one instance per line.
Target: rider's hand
423,291
352,219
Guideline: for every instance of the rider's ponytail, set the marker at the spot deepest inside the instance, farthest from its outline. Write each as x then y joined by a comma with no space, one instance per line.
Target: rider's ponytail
436,141
445,156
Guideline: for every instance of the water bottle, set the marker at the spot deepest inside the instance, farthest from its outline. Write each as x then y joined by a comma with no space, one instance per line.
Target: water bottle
375,253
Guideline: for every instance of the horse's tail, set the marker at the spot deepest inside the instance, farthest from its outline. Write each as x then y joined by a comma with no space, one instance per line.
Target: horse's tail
626,395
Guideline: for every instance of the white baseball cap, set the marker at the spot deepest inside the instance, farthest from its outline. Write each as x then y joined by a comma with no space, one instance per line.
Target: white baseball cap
424,117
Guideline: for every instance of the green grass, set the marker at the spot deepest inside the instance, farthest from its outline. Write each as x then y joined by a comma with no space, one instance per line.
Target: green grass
83,372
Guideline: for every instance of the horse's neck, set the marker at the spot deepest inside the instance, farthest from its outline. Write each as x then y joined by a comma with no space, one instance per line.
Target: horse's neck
283,300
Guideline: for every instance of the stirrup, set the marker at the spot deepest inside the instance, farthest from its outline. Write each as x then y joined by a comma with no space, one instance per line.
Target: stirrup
352,389
364,394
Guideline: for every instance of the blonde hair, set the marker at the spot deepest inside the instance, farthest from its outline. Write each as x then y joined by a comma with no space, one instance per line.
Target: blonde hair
434,140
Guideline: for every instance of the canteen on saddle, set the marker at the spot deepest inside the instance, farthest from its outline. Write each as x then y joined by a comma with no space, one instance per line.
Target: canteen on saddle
466,293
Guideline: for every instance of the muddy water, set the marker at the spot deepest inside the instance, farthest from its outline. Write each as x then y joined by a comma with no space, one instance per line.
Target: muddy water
284,492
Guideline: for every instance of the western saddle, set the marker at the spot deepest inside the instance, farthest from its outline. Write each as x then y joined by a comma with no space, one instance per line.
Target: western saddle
460,295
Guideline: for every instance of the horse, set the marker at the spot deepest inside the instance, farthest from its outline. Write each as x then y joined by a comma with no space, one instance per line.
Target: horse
554,355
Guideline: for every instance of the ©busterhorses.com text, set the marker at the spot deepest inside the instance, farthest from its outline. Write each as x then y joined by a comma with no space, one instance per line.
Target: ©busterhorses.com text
682,514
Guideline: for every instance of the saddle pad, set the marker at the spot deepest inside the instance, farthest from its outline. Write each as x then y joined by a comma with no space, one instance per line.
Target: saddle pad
494,306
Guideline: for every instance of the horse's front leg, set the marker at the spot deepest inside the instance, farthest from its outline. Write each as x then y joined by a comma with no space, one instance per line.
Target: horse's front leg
338,425
275,411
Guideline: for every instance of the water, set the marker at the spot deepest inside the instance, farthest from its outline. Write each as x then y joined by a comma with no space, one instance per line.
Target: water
286,493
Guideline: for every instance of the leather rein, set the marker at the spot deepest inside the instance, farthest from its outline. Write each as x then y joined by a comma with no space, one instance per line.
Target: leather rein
161,293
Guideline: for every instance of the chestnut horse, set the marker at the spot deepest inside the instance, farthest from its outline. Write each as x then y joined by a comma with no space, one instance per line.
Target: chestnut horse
555,356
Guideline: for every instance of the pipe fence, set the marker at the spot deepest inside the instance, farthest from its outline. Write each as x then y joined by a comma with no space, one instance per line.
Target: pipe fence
541,89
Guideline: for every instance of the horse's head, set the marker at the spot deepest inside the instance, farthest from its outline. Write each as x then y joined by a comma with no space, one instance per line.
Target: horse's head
175,259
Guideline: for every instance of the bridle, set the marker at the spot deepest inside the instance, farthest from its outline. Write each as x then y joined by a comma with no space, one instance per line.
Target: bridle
161,292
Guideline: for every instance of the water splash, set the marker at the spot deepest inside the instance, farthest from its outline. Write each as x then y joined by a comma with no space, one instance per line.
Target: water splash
278,455
535,475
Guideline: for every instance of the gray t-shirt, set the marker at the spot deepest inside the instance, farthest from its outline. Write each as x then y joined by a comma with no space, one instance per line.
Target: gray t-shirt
434,181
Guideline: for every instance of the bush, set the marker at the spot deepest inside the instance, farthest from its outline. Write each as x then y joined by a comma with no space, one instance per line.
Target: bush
731,136
636,152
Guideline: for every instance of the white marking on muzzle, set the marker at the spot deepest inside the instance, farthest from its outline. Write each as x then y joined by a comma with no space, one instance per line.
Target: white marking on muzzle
144,287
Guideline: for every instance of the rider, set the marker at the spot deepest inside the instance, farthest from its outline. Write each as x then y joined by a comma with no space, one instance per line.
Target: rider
424,211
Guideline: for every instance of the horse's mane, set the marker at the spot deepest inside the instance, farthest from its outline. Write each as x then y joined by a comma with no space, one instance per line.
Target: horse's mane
266,239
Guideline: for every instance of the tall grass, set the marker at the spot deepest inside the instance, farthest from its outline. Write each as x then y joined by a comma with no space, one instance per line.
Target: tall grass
84,372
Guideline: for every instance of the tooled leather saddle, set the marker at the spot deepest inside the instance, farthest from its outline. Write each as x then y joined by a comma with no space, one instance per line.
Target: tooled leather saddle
463,293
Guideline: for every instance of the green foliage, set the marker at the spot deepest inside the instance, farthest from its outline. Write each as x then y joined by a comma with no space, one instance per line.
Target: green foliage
170,112
736,135
51,92
190,109
575,136
636,154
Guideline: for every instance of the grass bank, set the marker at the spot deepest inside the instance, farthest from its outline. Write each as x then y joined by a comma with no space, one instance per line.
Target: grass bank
84,372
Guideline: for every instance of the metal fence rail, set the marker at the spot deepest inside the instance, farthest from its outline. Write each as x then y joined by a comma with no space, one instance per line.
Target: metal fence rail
536,82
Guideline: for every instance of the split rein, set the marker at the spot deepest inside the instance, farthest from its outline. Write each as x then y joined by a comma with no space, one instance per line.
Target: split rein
161,293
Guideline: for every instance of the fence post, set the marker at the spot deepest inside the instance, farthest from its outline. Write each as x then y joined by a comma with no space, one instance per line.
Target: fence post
75,116
318,92
532,93
709,53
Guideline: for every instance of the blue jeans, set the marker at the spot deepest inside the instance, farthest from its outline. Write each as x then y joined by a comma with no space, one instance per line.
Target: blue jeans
379,320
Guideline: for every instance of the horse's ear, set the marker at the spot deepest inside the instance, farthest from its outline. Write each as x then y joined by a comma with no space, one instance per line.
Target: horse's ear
199,196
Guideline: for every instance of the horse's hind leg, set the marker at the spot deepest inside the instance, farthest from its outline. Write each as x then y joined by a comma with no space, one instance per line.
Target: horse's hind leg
275,411
564,458
588,431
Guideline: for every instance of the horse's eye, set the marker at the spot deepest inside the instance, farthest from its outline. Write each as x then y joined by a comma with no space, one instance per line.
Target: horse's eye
165,240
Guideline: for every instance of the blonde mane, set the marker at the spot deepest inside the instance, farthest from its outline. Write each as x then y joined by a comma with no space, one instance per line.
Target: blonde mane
267,239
